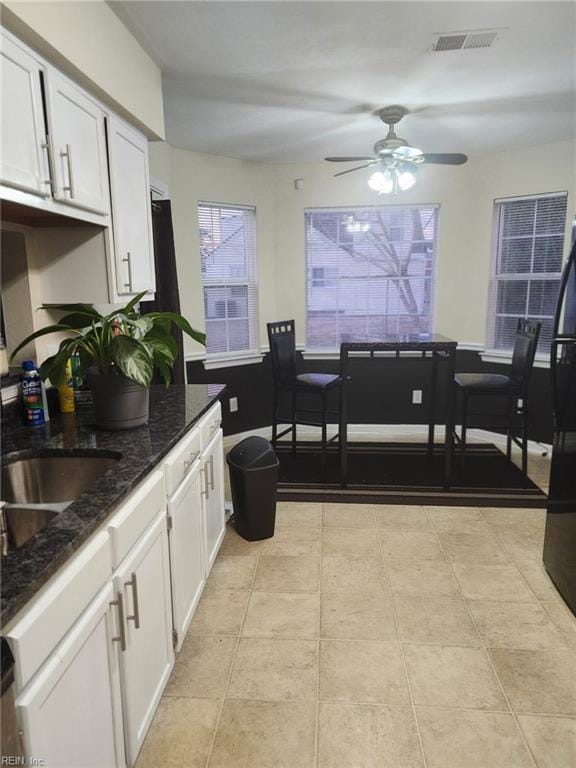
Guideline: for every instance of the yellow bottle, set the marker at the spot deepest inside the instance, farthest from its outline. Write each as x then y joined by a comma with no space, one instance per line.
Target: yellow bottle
66,391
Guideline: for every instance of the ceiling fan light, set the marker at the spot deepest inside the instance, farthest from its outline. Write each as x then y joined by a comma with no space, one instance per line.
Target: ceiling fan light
406,180
381,182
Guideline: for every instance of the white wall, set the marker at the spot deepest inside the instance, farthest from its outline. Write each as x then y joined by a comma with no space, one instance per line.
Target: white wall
194,177
88,42
465,194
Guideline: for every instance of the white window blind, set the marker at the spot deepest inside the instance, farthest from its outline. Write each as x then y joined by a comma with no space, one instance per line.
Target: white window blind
229,277
526,267
370,273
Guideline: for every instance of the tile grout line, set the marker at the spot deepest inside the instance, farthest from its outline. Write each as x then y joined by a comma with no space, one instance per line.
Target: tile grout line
386,564
491,663
525,580
403,656
232,663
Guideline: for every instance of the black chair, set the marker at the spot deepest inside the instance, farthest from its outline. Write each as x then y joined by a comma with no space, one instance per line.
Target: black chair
513,387
282,341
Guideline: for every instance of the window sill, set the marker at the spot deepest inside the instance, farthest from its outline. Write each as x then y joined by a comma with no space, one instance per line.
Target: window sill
231,360
505,358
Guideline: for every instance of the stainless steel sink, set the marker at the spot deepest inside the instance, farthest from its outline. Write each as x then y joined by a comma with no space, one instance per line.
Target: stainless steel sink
19,524
52,478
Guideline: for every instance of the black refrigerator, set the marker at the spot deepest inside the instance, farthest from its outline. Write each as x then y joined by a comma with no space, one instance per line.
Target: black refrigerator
560,537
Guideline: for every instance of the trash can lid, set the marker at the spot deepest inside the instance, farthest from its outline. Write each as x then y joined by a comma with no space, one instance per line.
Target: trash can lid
252,453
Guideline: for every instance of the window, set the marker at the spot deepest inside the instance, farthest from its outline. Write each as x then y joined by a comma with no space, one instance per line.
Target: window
228,259
370,273
526,267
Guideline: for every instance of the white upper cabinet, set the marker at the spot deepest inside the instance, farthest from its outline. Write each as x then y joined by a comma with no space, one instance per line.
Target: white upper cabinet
131,208
23,153
76,134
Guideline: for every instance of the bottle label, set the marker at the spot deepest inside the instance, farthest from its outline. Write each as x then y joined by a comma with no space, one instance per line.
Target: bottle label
32,400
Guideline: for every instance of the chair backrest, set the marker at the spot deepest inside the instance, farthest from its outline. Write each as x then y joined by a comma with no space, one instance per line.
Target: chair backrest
282,341
524,352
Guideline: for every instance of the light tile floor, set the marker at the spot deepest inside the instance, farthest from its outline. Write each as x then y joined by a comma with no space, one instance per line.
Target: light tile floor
429,638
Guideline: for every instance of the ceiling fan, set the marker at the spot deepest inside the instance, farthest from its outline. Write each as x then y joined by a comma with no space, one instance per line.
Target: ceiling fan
397,160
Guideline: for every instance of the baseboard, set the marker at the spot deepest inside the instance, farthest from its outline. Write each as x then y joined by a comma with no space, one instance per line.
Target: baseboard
386,432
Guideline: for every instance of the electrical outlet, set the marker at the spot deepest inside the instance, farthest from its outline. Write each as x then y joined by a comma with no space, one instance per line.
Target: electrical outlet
233,404
416,397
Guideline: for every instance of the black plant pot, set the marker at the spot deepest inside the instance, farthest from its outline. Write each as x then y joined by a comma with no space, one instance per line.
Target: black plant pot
119,403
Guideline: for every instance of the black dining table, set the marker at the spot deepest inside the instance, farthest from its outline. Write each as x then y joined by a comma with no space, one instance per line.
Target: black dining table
441,353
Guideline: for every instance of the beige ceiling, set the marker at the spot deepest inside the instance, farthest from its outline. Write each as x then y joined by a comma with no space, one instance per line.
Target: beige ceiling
295,81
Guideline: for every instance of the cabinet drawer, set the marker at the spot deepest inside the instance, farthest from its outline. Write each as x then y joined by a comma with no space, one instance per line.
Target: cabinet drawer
181,459
59,606
210,424
135,515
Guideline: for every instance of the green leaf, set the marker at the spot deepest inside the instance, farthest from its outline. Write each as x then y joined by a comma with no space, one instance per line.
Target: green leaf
128,308
132,303
161,322
77,320
87,309
133,359
165,371
142,324
182,323
42,332
54,368
159,338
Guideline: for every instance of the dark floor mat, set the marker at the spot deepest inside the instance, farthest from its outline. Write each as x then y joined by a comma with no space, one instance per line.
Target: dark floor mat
402,473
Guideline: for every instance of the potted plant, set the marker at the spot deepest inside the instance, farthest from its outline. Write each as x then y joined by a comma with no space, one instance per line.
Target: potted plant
118,354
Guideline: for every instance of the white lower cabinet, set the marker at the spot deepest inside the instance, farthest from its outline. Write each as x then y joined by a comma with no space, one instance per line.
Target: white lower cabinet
142,585
186,551
95,650
213,497
71,712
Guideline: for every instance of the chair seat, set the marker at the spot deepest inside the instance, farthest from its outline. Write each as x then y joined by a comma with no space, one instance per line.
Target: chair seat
318,380
490,383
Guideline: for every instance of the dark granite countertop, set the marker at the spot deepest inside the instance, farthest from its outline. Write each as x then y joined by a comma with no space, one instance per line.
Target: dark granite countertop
173,411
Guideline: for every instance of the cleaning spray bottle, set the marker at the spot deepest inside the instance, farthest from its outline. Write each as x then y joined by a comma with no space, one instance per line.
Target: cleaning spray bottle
32,395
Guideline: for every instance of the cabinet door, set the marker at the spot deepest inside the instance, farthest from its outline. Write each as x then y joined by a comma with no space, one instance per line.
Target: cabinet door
24,162
71,713
131,212
186,551
76,132
213,466
143,581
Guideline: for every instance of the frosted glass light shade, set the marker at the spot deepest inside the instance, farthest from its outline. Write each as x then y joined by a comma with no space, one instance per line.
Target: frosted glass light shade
382,183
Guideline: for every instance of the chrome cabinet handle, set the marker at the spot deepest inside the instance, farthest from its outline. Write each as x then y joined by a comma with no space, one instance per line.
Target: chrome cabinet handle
190,461
68,155
211,462
121,636
135,617
206,491
128,261
48,147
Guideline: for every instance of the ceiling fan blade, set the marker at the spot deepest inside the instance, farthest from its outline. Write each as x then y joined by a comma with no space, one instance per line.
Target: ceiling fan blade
358,167
440,158
348,159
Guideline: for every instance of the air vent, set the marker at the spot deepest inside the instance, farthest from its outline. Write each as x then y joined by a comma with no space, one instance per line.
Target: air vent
458,41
